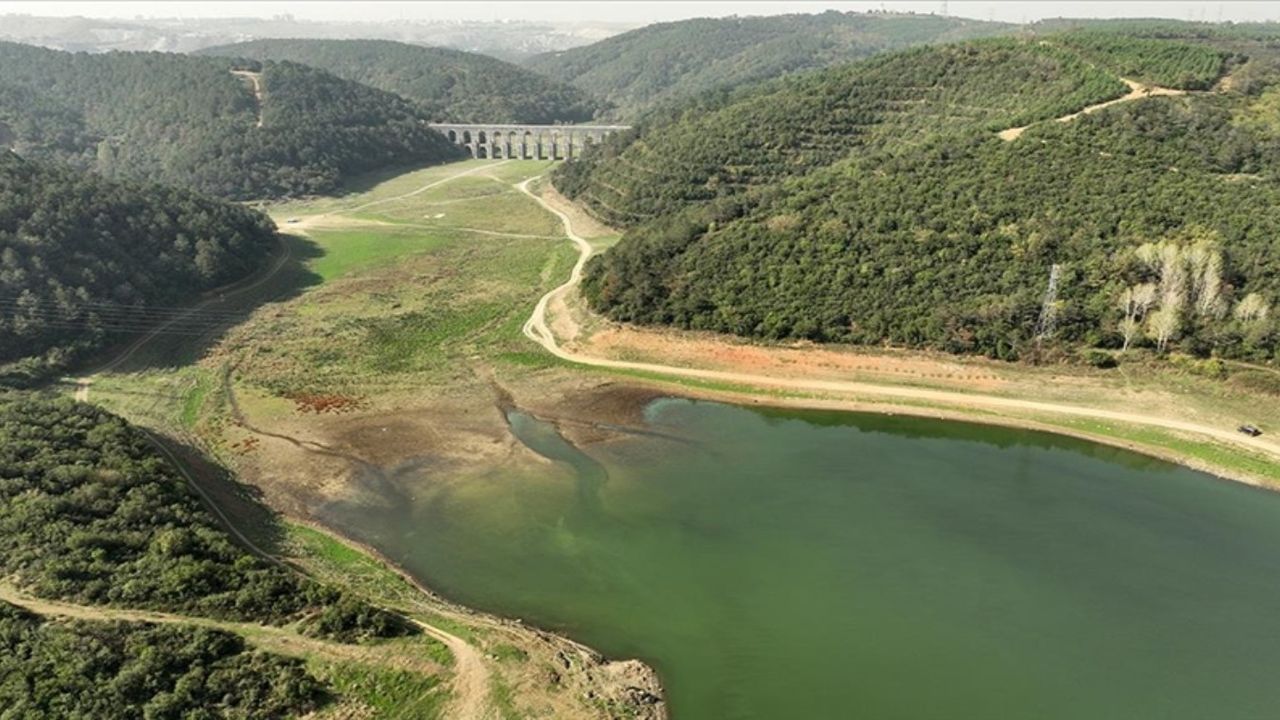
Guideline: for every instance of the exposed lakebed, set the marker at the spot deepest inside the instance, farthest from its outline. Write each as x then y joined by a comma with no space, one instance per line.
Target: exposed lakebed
776,564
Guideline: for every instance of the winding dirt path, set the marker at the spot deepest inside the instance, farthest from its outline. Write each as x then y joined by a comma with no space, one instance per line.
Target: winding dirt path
256,79
59,608
537,329
268,637
471,679
1137,91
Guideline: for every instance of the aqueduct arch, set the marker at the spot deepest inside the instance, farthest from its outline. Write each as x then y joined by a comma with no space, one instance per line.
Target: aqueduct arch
529,142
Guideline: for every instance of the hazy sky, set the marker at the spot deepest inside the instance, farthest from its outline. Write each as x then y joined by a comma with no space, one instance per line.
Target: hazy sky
643,12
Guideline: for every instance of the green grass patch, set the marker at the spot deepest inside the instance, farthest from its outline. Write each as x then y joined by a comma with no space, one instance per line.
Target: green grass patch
390,694
337,562
348,251
535,359
338,555
499,208
414,340
503,699
1211,453
508,653
193,403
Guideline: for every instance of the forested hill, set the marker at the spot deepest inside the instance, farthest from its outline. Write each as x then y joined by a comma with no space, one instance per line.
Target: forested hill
191,122
670,61
446,84
82,257
720,147
849,206
92,514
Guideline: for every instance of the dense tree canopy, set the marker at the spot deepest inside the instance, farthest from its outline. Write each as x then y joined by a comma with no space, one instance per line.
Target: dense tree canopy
1169,64
678,60
124,671
448,85
189,121
90,512
1161,214
754,138
81,257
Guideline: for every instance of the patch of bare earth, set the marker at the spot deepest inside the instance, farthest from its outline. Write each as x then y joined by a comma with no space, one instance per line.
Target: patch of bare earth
584,223
800,360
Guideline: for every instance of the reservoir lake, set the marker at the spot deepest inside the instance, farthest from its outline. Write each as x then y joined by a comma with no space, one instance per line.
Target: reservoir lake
777,564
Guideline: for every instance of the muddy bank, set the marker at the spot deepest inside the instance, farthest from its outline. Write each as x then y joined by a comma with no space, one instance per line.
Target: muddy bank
310,466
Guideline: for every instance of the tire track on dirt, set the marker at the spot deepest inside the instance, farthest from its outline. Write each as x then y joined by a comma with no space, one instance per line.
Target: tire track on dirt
256,79
305,222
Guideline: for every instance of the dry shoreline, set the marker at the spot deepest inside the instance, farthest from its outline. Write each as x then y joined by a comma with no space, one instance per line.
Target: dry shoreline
749,399
966,405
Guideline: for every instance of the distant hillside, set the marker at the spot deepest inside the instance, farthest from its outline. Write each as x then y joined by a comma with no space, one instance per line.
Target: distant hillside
505,39
671,61
189,121
447,84
875,204
81,258
727,144
1161,28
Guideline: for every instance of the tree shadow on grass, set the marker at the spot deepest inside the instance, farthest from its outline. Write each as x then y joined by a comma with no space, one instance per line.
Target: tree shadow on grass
238,507
181,336
364,182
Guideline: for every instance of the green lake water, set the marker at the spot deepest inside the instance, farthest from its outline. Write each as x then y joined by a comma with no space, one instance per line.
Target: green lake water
776,565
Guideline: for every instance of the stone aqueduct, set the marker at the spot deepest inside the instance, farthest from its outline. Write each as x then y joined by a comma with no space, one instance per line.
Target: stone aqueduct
527,142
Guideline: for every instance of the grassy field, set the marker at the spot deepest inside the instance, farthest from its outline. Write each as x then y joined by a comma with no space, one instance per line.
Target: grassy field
407,306
348,251
392,287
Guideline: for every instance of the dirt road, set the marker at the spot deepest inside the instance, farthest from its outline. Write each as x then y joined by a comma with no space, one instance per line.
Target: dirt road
256,79
1137,91
471,677
536,329
268,637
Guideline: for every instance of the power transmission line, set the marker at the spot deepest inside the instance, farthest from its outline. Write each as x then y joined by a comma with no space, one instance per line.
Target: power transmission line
156,310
